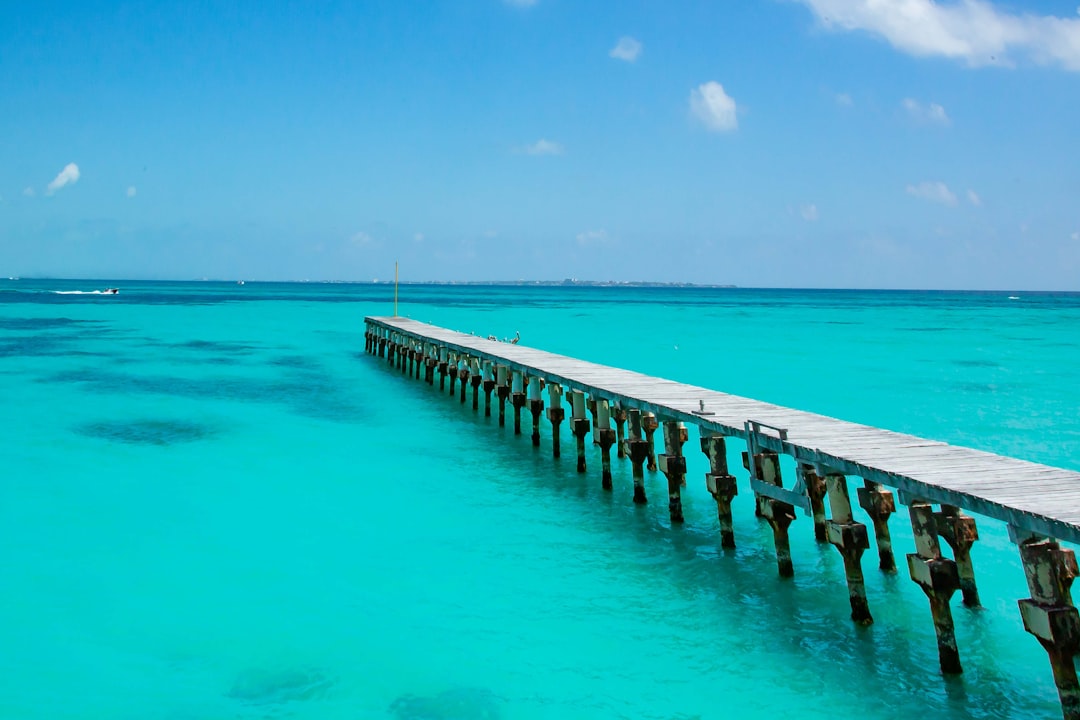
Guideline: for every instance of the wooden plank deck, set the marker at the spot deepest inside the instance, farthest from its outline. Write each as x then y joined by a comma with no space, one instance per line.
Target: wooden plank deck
1032,498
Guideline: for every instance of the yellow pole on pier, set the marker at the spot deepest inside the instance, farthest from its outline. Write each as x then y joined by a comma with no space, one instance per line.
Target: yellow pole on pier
395,288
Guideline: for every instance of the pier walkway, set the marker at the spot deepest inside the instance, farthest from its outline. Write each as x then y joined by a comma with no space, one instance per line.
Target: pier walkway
1040,504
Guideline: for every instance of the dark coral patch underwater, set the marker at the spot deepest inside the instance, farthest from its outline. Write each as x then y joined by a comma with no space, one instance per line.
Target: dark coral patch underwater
146,432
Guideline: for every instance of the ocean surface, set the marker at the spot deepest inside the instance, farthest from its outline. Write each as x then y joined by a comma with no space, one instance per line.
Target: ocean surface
215,505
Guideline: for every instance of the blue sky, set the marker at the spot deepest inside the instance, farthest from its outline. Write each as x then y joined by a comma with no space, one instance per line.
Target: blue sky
806,143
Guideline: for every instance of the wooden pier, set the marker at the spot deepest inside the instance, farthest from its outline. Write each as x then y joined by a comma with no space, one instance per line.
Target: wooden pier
1039,504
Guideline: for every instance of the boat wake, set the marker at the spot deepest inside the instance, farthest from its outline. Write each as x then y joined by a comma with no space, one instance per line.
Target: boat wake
86,292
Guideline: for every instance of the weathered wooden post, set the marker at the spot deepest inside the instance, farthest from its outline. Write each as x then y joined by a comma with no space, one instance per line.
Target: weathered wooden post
555,414
937,577
851,539
879,505
1050,616
721,485
579,424
673,465
536,407
606,437
638,450
960,532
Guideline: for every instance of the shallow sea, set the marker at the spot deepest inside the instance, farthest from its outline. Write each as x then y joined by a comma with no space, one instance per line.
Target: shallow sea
215,505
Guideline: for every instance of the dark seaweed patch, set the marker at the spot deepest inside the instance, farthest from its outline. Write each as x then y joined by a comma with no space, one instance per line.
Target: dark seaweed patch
457,704
44,345
276,688
976,363
42,323
146,432
219,346
293,361
311,394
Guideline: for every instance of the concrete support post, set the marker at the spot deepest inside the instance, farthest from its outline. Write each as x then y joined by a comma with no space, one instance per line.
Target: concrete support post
815,490
851,539
476,379
418,355
937,577
606,437
555,414
463,376
536,408
579,424
649,425
590,405
1050,616
619,415
960,532
673,465
444,367
779,515
638,450
721,485
503,391
517,398
452,370
488,373
879,505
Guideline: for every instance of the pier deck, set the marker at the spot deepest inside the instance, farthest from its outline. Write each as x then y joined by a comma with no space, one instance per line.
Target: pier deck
1033,499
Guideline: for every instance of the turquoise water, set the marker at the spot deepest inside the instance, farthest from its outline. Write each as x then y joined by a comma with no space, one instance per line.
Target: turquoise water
217,506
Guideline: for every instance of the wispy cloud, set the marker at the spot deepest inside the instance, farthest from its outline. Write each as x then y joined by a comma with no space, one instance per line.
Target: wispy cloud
843,100
68,176
930,114
521,3
937,192
973,198
713,107
29,191
1076,235
627,49
543,147
809,212
975,32
593,237
131,191
362,239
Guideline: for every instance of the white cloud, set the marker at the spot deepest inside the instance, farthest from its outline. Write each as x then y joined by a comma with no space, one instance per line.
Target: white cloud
131,191
29,191
809,212
68,176
973,198
592,237
543,147
627,49
931,114
973,31
713,107
844,100
937,192
362,239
